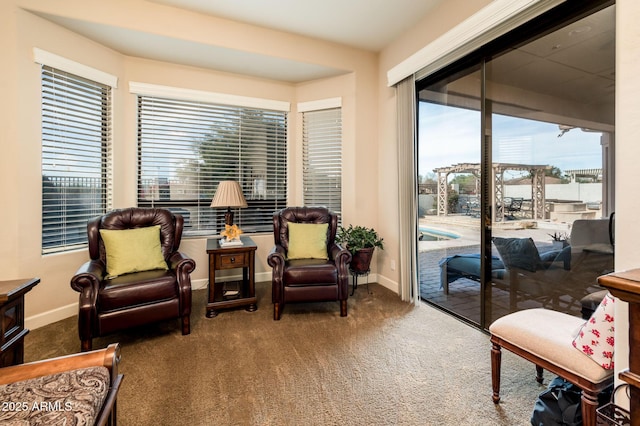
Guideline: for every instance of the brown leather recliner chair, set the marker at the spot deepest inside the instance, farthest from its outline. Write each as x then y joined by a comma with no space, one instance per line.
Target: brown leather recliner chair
307,280
137,298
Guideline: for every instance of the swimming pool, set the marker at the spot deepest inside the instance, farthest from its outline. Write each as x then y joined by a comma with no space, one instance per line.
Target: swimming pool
430,234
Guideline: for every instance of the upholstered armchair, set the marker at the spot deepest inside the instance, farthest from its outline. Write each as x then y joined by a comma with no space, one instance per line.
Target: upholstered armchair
308,265
135,274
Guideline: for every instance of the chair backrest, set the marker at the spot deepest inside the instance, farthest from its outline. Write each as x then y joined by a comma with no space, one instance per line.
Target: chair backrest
282,218
516,204
585,232
130,218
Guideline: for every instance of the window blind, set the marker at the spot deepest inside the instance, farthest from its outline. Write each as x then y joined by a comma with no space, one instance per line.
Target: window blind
187,147
322,158
76,170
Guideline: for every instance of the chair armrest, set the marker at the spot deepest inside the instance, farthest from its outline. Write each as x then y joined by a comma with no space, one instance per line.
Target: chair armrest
88,276
107,414
181,263
183,266
108,357
276,257
340,255
87,281
342,259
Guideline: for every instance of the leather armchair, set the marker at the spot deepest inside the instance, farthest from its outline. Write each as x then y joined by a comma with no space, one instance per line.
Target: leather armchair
138,298
307,280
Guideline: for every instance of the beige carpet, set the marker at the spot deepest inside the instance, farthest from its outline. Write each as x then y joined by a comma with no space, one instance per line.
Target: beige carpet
387,363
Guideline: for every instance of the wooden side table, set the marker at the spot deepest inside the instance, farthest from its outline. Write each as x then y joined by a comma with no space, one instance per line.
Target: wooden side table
221,258
12,317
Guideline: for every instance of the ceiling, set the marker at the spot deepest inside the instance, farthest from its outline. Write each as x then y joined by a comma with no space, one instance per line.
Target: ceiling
364,24
566,76
575,62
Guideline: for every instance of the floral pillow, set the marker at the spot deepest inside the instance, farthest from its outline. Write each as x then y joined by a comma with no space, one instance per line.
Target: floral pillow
595,338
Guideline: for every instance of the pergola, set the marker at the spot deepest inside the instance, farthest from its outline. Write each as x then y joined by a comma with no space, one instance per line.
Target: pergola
537,186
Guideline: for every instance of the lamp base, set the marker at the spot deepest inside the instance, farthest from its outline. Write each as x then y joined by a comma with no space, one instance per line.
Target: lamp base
228,217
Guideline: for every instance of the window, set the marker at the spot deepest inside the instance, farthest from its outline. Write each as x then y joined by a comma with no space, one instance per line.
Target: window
187,147
322,158
76,137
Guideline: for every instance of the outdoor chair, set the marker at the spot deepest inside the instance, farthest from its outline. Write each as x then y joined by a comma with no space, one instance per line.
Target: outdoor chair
514,206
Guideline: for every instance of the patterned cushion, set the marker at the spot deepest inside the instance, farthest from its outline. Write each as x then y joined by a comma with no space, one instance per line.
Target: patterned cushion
70,398
595,338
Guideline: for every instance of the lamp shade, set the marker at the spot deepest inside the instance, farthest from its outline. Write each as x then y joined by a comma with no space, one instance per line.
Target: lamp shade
228,194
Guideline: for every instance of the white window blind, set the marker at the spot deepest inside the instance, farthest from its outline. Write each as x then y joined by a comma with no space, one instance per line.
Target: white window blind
76,170
322,158
187,147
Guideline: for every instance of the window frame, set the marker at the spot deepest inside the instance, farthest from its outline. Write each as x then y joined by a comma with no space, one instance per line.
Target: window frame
69,91
201,219
318,137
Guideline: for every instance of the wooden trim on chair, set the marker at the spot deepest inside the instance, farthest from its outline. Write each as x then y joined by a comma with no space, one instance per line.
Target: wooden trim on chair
590,390
108,357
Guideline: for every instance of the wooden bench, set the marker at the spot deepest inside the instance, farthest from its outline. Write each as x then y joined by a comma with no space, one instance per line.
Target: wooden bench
545,337
37,380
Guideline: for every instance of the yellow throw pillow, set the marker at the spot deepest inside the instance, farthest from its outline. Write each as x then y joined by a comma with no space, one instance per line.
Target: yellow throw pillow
132,250
308,241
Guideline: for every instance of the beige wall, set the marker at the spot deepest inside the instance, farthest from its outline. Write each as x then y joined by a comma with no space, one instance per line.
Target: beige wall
443,18
627,155
21,31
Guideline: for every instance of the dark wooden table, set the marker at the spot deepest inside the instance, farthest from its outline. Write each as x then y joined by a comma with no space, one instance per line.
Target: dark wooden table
12,314
224,295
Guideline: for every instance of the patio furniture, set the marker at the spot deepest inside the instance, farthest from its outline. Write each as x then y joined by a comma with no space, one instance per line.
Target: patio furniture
514,206
459,266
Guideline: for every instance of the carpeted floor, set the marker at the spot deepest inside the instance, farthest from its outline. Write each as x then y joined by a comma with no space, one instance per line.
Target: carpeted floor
387,363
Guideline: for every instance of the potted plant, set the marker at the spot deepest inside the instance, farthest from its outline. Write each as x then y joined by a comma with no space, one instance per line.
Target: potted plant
559,239
361,242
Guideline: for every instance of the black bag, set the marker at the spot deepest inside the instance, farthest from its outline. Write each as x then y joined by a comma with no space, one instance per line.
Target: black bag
559,405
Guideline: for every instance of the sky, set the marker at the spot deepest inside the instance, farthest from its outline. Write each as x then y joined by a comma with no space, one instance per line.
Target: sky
449,135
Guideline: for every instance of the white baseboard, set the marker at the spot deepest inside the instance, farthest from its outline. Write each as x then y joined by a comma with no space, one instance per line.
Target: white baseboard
49,317
387,283
199,284
46,318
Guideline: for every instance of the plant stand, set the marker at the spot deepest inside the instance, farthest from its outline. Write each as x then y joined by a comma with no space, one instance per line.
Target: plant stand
355,275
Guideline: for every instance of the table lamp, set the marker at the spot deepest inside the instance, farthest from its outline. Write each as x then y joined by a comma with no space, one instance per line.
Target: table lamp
229,194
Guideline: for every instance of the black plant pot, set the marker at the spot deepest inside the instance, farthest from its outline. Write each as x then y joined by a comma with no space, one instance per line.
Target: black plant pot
361,260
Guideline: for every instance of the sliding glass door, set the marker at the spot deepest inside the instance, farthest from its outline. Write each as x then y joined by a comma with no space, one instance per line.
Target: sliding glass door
516,173
449,180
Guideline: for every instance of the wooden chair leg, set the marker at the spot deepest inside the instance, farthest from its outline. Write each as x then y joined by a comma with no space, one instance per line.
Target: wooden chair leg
539,371
86,345
343,308
589,406
186,325
276,311
496,360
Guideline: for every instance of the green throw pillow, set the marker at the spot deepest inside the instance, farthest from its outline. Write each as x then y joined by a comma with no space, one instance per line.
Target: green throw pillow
308,241
132,250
